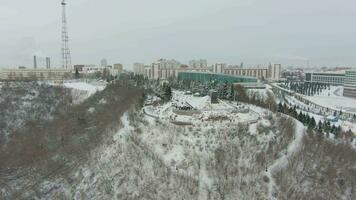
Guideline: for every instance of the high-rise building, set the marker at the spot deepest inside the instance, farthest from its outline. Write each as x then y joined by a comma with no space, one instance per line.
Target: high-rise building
103,62
219,68
118,67
139,68
164,64
34,62
202,63
274,71
48,63
350,84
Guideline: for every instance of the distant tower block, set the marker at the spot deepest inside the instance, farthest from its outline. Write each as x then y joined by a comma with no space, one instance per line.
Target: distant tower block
35,62
66,57
48,63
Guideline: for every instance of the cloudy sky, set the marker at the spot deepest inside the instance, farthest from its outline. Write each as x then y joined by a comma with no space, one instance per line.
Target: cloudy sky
127,31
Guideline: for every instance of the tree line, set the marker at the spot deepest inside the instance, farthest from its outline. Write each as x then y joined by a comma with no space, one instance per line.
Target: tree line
306,88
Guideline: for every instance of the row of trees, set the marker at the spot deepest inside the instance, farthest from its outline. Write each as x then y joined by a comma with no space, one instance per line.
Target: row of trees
306,88
310,122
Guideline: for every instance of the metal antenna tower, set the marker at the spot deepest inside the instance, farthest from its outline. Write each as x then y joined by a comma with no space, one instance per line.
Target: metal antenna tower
66,58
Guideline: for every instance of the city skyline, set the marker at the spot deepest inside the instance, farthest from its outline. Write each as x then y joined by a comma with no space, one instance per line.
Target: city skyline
253,32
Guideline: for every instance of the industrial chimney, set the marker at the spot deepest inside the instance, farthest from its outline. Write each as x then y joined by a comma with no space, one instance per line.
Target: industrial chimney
35,62
48,62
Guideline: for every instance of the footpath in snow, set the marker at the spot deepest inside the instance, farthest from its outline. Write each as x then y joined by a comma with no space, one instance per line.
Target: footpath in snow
282,162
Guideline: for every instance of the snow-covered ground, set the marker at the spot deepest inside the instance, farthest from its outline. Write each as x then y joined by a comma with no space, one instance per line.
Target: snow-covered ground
83,90
91,87
333,99
334,92
282,161
151,158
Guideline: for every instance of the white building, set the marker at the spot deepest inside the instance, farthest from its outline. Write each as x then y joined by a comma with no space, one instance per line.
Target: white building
350,84
258,72
219,68
274,72
202,63
91,69
163,63
139,68
331,77
34,74
164,69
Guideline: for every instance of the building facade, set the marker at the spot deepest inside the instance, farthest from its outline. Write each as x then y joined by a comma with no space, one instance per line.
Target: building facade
332,78
161,70
202,63
274,72
139,68
168,64
34,74
204,77
219,68
164,69
260,73
350,84
116,69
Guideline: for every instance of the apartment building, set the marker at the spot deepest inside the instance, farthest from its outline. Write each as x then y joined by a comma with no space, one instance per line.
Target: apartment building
350,84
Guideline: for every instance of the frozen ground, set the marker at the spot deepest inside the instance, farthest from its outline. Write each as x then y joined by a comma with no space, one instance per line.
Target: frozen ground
90,87
83,90
333,99
345,125
229,158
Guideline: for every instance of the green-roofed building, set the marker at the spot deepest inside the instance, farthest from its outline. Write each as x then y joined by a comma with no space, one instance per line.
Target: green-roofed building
206,77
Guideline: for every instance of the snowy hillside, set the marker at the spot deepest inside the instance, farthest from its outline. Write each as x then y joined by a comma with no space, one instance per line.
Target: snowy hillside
217,151
83,90
22,102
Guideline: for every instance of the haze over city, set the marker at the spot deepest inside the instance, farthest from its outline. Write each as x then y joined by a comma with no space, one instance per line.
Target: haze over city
232,31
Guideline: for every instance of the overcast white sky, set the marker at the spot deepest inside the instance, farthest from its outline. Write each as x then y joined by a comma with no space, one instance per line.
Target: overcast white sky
127,31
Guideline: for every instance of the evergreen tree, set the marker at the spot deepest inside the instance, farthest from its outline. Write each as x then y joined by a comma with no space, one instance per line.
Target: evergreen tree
320,127
77,75
280,107
312,123
301,117
232,92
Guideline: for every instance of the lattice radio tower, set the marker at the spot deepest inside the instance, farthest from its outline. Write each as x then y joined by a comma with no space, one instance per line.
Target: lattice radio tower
66,58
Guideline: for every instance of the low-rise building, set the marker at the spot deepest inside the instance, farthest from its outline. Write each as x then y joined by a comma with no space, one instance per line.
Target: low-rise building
34,74
260,73
206,77
165,69
332,78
